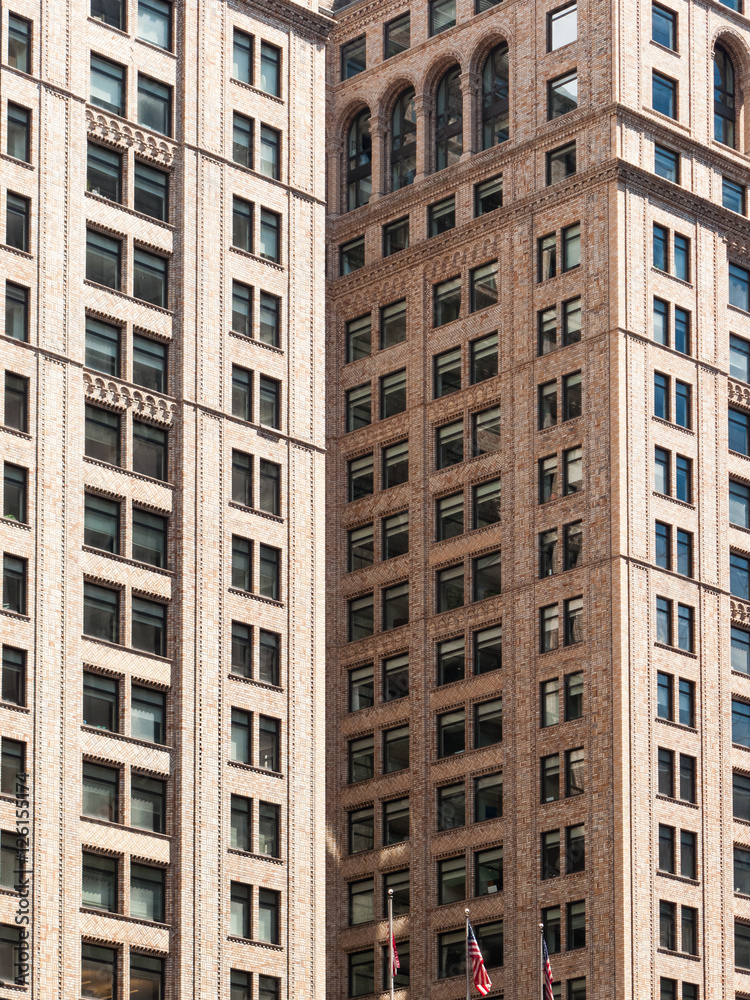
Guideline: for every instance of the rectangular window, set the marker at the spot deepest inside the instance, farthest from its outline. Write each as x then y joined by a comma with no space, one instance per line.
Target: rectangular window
576,924
17,216
741,870
269,492
449,586
154,105
242,140
103,265
107,86
242,57
151,191
240,902
19,43
687,778
100,702
98,970
12,763
739,287
450,661
741,796
242,309
483,286
13,690
19,132
270,235
358,338
574,772
395,464
550,778
242,397
486,431
268,829
486,504
666,163
146,892
575,849
361,901
395,749
741,945
488,723
488,195
361,477
664,94
242,563
663,546
733,195
358,407
550,854
148,714
103,346
150,450
547,257
269,576
447,372
270,69
739,575
241,736
16,311
562,95
15,490
661,322
361,830
269,392
572,470
561,163
682,408
450,444
571,247
486,572
740,722
393,324
393,394
667,934
396,236
269,903
447,301
685,628
739,358
150,363
550,703
14,584
395,535
664,26
352,255
101,523
155,23
740,641
361,973
270,152
100,791
562,26
270,319
150,277
483,358
681,257
149,631
442,15
572,545
442,216
548,624
488,797
269,655
397,36
662,471
739,431
395,606
361,688
242,224
552,921
661,248
361,617
147,800
666,849
241,649
396,821
395,677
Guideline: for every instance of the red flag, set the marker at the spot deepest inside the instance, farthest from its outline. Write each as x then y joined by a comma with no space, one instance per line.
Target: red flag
396,965
547,971
482,981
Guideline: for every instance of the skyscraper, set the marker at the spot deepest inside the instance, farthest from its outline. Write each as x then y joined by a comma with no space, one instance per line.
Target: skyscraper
162,225
539,429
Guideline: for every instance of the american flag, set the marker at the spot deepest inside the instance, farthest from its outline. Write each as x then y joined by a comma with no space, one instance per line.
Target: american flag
481,980
395,965
547,971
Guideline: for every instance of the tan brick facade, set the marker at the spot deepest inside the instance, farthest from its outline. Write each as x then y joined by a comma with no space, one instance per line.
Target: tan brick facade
617,198
196,936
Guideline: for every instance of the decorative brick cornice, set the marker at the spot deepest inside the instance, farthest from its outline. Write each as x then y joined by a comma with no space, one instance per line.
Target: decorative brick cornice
121,396
118,132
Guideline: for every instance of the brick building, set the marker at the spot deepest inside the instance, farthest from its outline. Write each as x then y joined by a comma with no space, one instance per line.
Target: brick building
161,261
539,496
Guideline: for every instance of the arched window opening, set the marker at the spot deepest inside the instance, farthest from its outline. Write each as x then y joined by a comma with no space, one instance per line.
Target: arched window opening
725,113
449,120
404,141
495,114
359,162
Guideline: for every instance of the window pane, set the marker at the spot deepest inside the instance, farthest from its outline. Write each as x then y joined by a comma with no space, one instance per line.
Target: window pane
107,85
151,191
154,105
102,346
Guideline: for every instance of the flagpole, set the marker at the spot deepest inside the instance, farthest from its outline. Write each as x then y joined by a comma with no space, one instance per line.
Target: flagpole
541,961
468,981
390,934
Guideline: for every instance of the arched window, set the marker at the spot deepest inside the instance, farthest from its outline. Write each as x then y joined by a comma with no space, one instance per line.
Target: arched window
449,120
724,109
495,97
404,141
359,162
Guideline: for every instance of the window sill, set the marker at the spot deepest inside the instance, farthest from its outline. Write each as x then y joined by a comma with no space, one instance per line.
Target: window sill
255,681
253,854
119,645
255,770
676,649
131,211
130,562
255,510
257,257
127,472
143,921
258,944
677,802
671,424
677,725
14,159
16,250
12,707
249,595
108,27
12,522
126,739
674,877
129,829
672,277
681,503
664,48
18,615
256,340
255,90
155,48
678,954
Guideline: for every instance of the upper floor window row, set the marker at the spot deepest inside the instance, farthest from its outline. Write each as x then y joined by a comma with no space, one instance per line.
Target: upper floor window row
108,90
562,29
258,65
154,19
